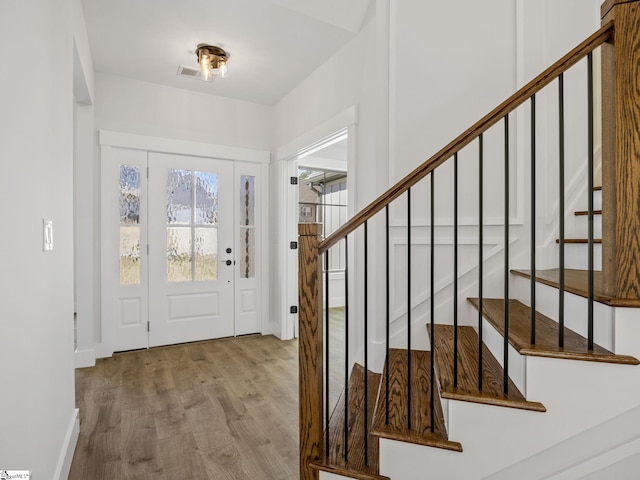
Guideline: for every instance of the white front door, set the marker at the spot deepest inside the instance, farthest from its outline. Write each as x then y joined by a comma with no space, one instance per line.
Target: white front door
180,261
191,270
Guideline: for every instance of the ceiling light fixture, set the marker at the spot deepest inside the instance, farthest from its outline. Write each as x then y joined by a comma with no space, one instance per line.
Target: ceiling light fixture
212,61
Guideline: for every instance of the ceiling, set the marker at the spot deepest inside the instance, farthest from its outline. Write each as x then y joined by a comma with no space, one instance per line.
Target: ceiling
274,44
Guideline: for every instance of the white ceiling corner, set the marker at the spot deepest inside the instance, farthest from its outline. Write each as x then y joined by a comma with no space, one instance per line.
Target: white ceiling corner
274,44
345,14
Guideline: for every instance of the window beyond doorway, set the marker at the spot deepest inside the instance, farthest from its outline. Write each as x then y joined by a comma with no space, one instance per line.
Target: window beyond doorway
323,199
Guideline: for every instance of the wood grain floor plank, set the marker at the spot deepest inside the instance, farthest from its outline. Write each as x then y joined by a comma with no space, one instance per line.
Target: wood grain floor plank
179,454
224,409
224,460
280,434
169,415
140,453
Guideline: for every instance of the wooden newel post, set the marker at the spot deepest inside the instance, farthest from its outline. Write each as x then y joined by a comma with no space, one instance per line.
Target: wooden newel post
621,151
310,347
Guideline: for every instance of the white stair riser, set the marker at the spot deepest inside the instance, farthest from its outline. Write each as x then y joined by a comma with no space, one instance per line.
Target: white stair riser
576,256
445,411
575,308
597,200
517,363
582,226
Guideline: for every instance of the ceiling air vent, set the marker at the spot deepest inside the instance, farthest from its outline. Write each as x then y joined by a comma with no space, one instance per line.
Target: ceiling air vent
189,72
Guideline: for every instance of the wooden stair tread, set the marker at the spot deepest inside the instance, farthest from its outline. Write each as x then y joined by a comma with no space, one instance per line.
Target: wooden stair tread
575,345
586,212
354,466
396,428
579,240
468,353
576,282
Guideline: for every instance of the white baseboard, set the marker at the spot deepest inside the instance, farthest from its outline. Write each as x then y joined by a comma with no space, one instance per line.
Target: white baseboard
594,449
68,447
601,462
85,358
103,351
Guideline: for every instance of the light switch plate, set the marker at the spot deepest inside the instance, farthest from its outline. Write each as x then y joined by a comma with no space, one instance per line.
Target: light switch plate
47,235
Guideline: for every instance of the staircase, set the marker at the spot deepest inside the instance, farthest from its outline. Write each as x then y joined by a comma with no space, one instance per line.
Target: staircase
539,382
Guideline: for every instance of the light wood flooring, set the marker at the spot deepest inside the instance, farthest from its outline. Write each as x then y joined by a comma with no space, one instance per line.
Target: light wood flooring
223,409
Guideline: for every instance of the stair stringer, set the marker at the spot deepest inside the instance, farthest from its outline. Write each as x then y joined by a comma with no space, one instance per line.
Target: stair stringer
494,438
595,450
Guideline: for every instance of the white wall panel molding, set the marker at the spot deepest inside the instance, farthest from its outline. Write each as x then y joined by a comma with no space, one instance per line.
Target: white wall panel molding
181,147
493,247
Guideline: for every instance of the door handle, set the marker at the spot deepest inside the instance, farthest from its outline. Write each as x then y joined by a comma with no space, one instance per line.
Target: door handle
228,262
228,250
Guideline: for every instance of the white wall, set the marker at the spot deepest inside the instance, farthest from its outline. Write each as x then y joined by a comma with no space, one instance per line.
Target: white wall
547,31
86,236
451,63
36,288
86,196
133,106
83,73
345,80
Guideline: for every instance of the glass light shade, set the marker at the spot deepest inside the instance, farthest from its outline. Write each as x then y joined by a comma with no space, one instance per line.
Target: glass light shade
212,61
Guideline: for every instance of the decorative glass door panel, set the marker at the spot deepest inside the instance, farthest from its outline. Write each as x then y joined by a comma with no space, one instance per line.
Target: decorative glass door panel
124,240
191,291
192,225
248,317
129,225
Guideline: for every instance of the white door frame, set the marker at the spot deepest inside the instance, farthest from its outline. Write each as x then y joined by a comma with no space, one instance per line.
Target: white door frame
288,167
107,138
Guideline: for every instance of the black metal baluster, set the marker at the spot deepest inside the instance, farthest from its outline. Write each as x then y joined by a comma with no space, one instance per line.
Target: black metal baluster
480,253
533,219
455,270
590,187
432,373
346,349
505,345
388,312
366,343
409,309
561,209
327,356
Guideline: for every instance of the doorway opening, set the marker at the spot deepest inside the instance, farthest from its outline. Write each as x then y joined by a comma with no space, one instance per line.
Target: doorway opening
328,149
323,199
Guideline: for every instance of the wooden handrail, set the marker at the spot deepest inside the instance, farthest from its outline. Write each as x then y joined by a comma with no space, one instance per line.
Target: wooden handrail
518,98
